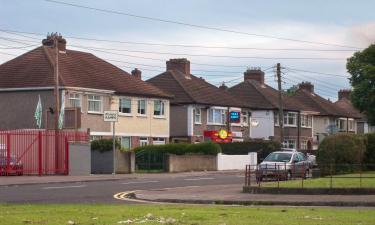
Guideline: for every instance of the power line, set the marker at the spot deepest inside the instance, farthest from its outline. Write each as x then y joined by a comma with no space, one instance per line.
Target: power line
196,25
309,71
324,83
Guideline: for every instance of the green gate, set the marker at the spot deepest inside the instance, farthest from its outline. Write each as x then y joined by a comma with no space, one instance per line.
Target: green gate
150,161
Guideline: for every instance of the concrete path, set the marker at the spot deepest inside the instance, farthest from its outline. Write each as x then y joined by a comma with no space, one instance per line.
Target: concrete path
231,194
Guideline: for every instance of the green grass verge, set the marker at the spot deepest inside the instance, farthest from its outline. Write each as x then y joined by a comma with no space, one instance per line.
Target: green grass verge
338,181
178,214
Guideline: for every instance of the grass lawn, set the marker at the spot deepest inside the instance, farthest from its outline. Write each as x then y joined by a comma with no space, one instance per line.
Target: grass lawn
338,181
179,214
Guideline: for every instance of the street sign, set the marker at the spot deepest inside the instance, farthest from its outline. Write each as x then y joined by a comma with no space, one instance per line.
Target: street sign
110,116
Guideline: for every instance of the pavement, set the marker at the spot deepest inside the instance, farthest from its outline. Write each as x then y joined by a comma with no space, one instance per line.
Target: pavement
232,194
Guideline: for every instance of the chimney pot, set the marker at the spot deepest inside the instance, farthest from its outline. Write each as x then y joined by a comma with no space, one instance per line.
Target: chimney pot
182,65
50,41
307,86
223,87
137,73
254,74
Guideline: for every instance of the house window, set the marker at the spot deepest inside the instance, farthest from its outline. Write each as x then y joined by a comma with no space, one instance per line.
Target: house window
276,119
143,141
244,118
126,143
216,116
289,143
142,107
290,119
351,125
125,105
158,141
95,103
306,121
340,123
75,100
304,145
158,108
197,116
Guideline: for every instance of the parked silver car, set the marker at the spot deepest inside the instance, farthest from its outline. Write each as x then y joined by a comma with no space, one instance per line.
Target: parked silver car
283,165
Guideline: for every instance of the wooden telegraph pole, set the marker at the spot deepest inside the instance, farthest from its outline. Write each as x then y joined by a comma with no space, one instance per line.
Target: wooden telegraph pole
281,111
57,103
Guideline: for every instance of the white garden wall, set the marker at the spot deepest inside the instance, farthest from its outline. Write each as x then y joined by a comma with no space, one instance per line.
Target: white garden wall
236,162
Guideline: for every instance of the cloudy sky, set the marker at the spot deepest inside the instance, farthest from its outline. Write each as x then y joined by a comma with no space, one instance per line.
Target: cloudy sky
333,23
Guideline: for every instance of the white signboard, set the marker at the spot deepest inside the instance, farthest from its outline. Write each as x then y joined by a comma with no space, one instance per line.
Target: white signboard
110,116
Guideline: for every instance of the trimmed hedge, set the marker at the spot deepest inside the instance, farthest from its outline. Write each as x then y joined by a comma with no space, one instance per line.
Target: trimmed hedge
369,157
103,145
262,147
341,149
207,148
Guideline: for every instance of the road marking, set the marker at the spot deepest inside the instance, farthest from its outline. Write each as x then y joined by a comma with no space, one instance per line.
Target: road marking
141,182
123,196
240,176
200,178
61,187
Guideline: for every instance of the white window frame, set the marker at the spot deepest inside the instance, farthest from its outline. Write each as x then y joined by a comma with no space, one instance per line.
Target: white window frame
199,115
130,142
79,99
306,121
138,107
158,141
339,122
223,116
304,145
95,100
287,115
122,113
162,109
244,114
351,125
288,143
143,141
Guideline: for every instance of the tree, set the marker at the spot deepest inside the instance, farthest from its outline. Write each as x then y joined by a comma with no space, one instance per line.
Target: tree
292,90
362,68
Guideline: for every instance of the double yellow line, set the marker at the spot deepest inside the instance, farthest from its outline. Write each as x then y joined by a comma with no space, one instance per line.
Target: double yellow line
124,196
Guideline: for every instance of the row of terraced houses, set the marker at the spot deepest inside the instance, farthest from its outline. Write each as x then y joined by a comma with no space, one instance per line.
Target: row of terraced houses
174,106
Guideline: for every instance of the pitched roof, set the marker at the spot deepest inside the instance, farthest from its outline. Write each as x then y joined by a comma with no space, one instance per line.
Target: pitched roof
348,107
193,90
76,69
313,102
261,96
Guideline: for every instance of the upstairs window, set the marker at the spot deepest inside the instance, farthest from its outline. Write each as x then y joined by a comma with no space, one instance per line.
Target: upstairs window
306,121
125,105
290,119
197,116
95,103
158,108
142,107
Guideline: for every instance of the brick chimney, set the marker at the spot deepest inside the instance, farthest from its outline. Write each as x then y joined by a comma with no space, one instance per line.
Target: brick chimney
61,42
344,93
182,65
306,86
223,87
254,74
137,73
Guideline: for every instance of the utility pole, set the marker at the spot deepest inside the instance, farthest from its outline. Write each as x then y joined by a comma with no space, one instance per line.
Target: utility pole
57,103
281,113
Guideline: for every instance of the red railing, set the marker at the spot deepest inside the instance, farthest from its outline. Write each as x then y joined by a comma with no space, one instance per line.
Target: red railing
36,152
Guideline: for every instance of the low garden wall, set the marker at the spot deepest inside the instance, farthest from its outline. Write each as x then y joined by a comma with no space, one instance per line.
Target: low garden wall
236,162
185,163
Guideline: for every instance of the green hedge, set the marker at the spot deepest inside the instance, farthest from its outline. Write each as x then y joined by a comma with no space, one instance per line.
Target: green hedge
369,156
206,148
262,147
103,145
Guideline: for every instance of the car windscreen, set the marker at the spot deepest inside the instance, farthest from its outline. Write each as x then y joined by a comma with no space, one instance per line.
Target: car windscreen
278,157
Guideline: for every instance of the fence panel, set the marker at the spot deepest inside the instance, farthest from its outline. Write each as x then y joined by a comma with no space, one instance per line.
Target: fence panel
36,152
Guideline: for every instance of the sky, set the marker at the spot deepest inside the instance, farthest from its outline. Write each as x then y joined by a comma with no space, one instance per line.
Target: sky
334,22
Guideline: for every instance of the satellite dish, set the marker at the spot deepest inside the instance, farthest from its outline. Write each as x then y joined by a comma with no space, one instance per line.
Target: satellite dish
254,123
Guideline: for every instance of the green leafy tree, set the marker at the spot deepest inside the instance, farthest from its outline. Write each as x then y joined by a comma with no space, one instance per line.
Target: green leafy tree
292,90
362,68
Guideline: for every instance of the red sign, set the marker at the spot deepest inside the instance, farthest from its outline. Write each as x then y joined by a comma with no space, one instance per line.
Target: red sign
221,136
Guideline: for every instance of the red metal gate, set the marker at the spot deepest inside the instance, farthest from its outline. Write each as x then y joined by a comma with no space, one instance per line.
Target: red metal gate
36,152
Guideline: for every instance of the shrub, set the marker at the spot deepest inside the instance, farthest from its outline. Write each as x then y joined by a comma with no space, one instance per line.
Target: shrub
262,147
206,148
103,145
340,151
369,156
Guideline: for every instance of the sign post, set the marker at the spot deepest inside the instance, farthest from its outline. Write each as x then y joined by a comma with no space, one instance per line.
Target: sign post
112,116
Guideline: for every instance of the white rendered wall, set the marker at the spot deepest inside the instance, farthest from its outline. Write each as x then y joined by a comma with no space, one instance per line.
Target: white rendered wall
265,127
236,162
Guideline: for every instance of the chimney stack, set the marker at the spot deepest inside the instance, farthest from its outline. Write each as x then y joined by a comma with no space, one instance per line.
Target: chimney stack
344,93
182,65
307,86
137,73
223,87
254,74
61,42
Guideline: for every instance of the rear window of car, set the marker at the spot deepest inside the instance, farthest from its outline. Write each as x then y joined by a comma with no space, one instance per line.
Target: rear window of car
278,157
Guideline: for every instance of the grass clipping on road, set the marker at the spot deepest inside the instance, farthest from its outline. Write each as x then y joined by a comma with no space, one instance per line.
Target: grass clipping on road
179,214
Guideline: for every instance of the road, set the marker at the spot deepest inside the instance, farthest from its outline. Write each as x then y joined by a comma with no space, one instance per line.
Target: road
103,191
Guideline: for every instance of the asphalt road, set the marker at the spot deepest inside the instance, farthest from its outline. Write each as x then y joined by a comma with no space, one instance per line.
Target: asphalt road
103,191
